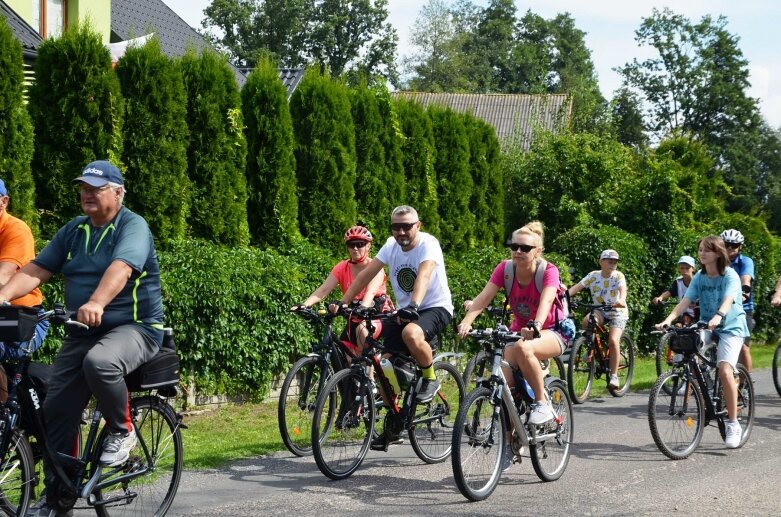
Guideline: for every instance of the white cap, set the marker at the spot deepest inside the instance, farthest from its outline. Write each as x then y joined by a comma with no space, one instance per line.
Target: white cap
689,261
609,254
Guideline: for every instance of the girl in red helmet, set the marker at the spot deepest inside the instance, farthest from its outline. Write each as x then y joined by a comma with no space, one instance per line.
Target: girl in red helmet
358,241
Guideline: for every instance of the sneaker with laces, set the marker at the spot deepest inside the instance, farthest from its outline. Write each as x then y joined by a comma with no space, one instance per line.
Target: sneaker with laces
428,388
613,381
386,439
541,413
43,509
117,447
733,434
508,457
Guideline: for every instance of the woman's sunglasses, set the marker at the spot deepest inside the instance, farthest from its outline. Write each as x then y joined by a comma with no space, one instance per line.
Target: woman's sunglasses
523,248
356,244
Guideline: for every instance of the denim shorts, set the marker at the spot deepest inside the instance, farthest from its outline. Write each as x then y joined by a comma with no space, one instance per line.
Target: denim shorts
615,319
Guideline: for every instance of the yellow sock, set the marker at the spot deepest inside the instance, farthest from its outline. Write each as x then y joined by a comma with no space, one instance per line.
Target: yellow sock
428,372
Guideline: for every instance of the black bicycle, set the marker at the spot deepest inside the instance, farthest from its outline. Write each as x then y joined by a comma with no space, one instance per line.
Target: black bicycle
346,413
145,484
492,409
689,396
777,368
590,357
306,379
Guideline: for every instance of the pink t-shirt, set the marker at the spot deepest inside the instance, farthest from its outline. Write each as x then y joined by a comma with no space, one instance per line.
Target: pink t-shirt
344,275
524,300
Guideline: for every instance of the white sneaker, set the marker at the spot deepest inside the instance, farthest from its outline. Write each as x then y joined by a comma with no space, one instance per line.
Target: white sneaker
613,381
117,447
541,413
733,434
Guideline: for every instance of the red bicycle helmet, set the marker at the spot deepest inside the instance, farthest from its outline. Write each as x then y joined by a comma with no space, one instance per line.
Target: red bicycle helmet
358,233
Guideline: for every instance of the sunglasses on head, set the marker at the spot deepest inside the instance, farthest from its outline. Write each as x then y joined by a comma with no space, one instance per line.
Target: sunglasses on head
397,227
523,248
356,244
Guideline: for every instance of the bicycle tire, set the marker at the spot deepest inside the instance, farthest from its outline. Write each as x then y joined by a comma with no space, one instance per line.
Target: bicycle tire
677,431
580,371
431,432
556,368
341,429
746,405
550,457
17,475
478,441
159,451
294,414
777,369
476,367
662,353
626,366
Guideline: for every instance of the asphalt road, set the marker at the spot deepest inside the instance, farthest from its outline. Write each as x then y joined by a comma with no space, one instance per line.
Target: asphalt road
615,469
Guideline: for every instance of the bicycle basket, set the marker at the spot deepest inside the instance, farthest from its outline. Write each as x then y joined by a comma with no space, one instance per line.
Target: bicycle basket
17,323
683,343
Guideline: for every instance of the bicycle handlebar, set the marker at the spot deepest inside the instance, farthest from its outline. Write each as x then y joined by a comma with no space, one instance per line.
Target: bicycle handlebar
592,306
498,334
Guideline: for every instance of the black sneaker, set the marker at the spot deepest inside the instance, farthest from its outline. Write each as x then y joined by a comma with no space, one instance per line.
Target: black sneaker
42,509
428,388
382,442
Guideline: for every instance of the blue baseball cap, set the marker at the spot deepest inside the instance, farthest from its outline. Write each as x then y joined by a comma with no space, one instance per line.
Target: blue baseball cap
100,173
3,190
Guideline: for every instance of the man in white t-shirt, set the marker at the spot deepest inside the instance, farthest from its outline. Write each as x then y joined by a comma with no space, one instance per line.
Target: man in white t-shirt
416,267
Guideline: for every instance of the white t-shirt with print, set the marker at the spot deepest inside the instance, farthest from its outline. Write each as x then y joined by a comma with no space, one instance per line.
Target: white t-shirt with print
403,271
605,290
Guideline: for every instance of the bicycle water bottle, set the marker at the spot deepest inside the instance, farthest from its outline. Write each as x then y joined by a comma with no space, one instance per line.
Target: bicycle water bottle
390,374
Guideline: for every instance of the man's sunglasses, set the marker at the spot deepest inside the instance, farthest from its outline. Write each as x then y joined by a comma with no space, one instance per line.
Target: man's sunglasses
356,244
397,227
523,248
732,245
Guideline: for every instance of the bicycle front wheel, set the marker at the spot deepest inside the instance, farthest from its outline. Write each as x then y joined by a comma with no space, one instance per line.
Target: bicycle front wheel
551,450
580,371
676,414
476,368
431,434
626,366
146,483
342,425
478,441
17,477
297,402
777,369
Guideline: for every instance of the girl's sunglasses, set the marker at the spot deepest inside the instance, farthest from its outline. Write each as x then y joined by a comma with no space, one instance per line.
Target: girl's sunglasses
523,248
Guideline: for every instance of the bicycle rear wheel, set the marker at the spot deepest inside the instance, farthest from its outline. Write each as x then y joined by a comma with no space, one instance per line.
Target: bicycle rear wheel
155,462
297,402
17,476
551,455
431,434
626,366
745,406
676,414
478,441
663,354
777,369
342,424
476,368
580,371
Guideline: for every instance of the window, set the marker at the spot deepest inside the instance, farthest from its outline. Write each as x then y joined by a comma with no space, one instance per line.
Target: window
49,16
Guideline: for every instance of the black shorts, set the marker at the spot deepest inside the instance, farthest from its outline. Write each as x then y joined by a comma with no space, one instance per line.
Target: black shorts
751,323
432,321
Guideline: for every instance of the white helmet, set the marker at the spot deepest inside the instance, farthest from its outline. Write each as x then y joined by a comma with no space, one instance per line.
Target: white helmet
732,236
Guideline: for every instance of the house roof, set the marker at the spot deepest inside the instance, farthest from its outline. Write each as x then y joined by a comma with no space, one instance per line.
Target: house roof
513,116
290,77
27,36
134,18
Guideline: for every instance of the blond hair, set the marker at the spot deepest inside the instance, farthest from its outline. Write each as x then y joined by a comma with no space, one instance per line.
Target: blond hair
534,229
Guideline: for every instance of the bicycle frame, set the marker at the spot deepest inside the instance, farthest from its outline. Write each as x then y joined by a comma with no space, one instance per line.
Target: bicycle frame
689,365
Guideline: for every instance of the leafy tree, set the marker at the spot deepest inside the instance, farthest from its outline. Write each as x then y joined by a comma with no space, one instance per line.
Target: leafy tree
325,158
16,144
272,207
250,27
216,155
419,157
627,119
155,139
770,174
454,183
77,109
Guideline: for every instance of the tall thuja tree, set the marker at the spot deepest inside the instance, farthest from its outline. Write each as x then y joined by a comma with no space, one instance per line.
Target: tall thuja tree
217,150
487,199
392,140
272,201
16,142
372,178
77,110
156,137
454,183
418,160
325,157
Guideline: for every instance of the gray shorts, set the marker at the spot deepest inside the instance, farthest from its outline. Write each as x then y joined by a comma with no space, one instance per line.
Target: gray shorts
615,319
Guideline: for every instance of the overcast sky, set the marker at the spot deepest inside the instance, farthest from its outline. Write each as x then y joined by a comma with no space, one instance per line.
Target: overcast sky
610,29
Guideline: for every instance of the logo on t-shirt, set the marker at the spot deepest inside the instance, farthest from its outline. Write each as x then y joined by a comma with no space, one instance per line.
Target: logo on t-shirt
406,278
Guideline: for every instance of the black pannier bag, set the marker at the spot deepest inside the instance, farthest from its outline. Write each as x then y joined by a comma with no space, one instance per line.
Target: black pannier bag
161,371
17,323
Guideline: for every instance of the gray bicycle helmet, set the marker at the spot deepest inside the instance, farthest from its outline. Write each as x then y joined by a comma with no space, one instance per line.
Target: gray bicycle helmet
732,236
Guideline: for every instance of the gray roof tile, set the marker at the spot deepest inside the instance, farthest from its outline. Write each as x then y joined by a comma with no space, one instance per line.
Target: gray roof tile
27,36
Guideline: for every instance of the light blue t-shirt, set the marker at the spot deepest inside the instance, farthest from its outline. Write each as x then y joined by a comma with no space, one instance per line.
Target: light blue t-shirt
711,291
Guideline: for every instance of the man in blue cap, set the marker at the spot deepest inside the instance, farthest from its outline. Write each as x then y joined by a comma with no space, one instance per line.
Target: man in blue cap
112,278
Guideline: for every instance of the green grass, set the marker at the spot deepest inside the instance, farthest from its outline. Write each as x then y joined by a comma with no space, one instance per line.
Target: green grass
234,432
